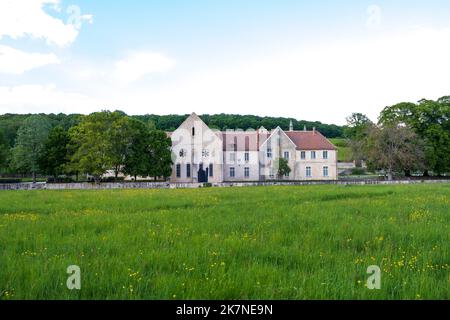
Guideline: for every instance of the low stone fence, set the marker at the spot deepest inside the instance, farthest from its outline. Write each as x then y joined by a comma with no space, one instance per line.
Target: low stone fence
167,185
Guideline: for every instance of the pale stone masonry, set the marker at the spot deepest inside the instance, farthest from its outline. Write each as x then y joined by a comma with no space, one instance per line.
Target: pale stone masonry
201,154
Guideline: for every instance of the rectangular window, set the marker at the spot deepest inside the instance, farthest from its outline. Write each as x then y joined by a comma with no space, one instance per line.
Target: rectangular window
325,171
178,170
308,172
211,170
247,172
325,155
232,157
232,172
269,153
247,157
271,174
188,170
313,155
303,155
286,155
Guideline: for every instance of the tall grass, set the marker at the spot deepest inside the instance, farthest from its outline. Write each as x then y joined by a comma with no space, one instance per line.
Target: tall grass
312,242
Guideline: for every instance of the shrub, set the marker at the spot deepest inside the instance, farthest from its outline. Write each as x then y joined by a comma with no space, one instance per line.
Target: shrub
113,179
358,171
10,180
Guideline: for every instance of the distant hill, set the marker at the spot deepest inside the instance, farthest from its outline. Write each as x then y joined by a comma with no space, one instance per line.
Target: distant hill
10,123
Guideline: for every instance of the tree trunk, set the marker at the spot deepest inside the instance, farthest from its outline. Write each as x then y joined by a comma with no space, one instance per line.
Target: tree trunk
426,173
135,178
407,173
390,176
34,176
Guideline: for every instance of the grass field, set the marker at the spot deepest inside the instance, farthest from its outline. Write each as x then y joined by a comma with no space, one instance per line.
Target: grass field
344,151
312,242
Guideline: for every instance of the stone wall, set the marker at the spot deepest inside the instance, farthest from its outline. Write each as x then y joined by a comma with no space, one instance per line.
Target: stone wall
166,185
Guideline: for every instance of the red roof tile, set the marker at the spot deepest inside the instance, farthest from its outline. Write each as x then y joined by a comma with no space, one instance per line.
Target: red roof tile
310,140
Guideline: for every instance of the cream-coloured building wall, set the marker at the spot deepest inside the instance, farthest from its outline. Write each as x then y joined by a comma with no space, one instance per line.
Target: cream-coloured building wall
317,165
240,164
196,144
279,143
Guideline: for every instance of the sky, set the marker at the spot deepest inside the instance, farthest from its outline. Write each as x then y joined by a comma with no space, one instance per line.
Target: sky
309,60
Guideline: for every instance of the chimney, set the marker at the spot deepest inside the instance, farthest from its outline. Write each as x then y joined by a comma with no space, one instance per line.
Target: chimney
291,126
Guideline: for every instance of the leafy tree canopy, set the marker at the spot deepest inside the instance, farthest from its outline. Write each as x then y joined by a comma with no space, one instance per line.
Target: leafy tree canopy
54,155
430,120
29,143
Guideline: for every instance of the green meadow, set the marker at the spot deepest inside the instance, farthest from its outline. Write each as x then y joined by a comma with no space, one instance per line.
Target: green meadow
310,242
344,150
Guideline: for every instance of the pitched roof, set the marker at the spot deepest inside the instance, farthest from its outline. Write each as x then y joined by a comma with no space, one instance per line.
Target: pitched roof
252,141
310,140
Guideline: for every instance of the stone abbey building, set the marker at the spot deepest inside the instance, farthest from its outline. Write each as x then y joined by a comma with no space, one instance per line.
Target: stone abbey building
202,154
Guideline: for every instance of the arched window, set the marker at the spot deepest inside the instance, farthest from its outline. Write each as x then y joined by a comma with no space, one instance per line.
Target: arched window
193,131
211,170
178,170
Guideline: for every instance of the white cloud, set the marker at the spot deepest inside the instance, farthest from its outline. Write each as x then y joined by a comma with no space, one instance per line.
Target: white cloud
324,83
140,64
38,98
76,18
17,62
21,18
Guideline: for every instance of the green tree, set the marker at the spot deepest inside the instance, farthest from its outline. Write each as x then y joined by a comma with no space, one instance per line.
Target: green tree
430,120
356,132
160,156
137,162
4,153
283,168
30,141
54,156
356,127
91,144
120,141
394,149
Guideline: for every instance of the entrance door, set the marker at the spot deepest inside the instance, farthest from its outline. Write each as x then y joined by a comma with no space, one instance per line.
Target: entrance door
202,174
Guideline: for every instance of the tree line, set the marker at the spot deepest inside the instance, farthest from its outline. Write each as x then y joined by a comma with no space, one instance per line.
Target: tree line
408,138
97,143
10,123
231,121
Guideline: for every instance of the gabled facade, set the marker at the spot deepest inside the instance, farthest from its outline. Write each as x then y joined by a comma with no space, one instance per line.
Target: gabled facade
201,154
